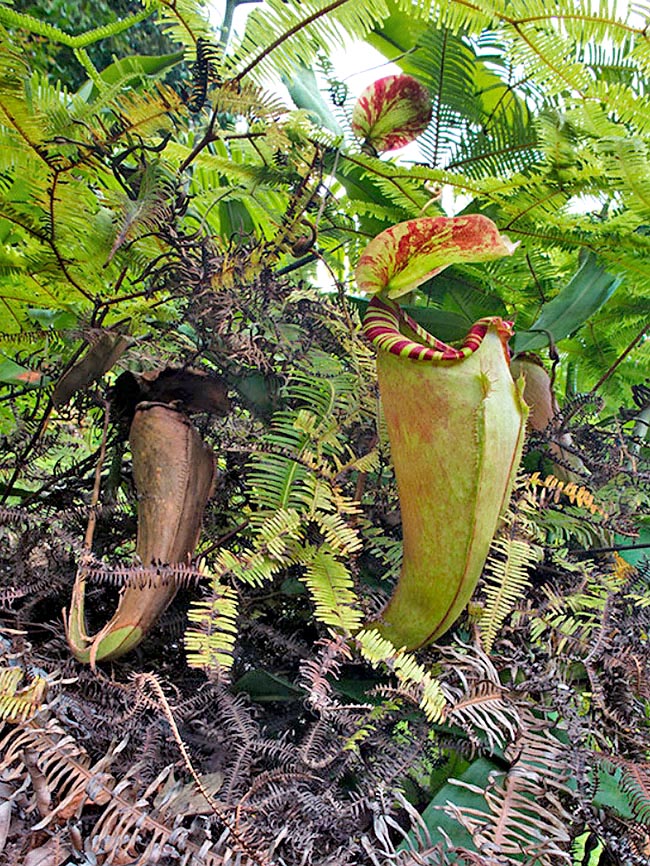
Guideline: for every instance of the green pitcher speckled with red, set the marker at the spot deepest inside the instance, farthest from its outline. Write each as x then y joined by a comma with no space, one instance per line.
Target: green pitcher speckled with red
456,423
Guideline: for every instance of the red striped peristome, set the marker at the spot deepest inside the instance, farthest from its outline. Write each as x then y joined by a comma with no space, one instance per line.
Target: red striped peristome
383,321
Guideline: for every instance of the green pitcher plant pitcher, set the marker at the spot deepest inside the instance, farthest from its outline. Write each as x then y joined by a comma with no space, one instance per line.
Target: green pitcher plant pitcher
456,421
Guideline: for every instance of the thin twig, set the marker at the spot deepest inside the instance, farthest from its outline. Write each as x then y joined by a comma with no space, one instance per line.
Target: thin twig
92,515
593,551
147,679
621,357
225,537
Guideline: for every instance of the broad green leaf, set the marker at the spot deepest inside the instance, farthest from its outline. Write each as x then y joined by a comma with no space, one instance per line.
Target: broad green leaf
409,253
441,825
234,218
128,70
260,392
454,291
634,557
397,37
305,92
58,319
610,793
583,857
582,296
447,326
7,426
139,64
14,374
263,686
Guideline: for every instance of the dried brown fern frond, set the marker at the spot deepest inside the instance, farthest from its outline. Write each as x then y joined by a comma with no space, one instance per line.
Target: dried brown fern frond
477,701
146,824
315,673
523,808
60,771
50,773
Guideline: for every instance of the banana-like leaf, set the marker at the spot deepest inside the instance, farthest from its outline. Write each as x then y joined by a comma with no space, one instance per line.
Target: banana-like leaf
263,686
442,826
447,325
456,422
130,70
409,253
458,302
173,470
582,296
391,112
304,90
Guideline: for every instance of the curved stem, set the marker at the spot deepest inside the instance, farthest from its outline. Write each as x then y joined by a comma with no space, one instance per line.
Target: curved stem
287,35
23,21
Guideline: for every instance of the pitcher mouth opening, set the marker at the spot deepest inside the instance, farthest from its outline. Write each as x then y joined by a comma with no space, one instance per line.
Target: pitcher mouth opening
385,324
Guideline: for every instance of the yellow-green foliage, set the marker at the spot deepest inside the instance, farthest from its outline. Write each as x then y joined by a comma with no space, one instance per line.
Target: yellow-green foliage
506,581
410,673
573,619
211,635
20,704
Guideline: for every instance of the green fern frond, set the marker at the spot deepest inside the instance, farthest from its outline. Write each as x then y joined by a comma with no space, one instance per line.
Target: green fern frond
459,18
380,652
365,463
615,104
219,162
626,166
331,586
148,114
277,533
183,21
210,637
642,601
294,33
386,212
12,18
506,582
281,482
575,619
151,208
388,551
299,466
502,147
17,113
254,569
545,56
445,63
339,536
